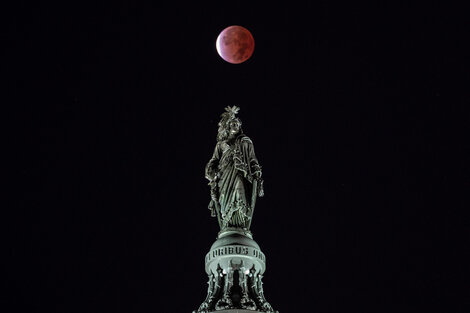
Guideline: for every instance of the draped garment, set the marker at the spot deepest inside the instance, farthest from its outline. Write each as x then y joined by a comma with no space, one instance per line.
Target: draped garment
234,166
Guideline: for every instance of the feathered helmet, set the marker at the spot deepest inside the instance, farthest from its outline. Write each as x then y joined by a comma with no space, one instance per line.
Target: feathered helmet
226,117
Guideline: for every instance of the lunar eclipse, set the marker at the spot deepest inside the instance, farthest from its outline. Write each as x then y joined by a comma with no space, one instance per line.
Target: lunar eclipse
235,44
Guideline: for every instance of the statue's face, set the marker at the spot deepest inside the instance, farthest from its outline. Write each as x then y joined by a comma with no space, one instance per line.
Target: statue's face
234,127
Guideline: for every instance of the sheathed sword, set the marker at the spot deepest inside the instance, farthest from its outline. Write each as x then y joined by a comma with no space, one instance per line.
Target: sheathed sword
214,201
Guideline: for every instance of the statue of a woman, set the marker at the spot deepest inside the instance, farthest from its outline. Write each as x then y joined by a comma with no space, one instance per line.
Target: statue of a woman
234,174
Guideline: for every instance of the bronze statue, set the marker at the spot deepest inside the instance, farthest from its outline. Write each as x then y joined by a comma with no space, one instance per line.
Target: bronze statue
234,264
234,174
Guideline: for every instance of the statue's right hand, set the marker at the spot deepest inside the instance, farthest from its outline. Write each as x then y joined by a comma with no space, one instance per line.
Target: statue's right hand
211,178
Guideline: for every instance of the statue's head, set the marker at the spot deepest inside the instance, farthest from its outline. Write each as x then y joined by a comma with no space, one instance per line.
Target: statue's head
234,126
229,124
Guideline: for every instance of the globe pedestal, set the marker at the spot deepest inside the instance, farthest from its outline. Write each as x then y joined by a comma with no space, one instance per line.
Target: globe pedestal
235,266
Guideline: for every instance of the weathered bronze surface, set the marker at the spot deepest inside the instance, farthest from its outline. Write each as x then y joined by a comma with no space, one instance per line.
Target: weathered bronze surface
234,174
235,263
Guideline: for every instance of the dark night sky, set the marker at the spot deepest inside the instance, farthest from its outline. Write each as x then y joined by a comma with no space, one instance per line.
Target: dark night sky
358,116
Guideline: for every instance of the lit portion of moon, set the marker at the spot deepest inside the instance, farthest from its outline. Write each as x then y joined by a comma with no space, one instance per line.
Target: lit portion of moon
235,44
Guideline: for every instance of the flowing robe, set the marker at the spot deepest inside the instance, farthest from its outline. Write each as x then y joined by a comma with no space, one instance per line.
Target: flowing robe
234,167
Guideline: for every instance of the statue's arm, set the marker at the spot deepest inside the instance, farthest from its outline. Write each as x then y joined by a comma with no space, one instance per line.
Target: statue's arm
254,164
255,167
211,167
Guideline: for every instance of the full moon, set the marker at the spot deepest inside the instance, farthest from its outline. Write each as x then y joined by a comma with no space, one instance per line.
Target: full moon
235,44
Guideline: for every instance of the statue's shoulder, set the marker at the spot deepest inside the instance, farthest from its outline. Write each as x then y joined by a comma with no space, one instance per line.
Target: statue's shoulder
221,146
244,138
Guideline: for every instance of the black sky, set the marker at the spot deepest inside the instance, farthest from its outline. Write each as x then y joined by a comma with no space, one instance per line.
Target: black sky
359,120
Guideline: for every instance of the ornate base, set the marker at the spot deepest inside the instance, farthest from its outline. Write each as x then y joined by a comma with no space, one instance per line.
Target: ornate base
235,266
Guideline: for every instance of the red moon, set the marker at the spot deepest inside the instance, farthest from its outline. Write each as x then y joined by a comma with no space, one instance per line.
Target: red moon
235,44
